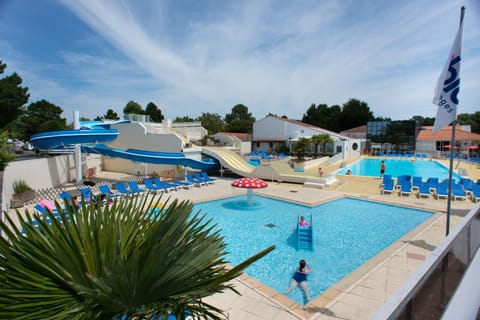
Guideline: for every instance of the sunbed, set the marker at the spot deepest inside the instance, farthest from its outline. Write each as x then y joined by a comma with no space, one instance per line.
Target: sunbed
163,185
196,182
105,190
152,187
185,184
406,189
432,183
457,192
416,182
468,185
424,191
134,187
476,193
44,205
66,196
123,189
86,193
442,191
200,178
388,187
205,176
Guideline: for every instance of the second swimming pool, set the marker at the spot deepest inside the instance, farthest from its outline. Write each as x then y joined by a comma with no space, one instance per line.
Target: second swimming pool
422,168
347,232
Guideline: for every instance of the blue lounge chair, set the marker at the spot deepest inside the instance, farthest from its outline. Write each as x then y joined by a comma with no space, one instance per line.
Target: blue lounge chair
442,191
165,187
45,205
66,196
196,182
185,184
200,178
86,193
123,189
457,192
134,187
105,190
468,185
416,182
476,193
432,183
401,180
424,191
206,177
388,187
152,187
406,189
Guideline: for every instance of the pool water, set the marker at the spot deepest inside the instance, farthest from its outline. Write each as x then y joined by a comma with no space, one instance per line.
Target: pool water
347,232
421,168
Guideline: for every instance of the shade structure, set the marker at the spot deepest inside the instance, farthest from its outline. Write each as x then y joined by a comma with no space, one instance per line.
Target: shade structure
472,147
249,184
448,146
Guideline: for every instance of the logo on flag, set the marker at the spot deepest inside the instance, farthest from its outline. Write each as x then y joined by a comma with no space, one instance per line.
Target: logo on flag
448,85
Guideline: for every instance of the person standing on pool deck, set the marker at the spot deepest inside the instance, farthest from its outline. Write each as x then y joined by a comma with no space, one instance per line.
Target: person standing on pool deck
382,169
300,279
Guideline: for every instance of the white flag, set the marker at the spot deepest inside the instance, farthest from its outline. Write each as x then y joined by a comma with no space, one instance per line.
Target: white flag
448,85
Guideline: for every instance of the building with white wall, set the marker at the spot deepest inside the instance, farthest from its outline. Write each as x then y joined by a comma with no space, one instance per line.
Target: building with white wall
434,144
238,141
271,131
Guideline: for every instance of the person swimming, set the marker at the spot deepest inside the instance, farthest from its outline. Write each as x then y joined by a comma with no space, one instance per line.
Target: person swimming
300,279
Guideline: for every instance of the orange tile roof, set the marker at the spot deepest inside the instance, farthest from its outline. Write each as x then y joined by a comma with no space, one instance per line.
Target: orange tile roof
445,134
240,136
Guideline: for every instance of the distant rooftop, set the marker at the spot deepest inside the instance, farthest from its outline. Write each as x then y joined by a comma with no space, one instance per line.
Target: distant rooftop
445,134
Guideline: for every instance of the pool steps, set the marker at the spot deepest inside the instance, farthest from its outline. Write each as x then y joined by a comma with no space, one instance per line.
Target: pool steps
305,236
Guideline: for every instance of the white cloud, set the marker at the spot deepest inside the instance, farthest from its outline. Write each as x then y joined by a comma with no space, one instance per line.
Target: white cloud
272,56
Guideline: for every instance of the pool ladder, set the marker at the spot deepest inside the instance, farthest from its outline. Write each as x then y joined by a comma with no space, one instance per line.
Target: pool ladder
305,236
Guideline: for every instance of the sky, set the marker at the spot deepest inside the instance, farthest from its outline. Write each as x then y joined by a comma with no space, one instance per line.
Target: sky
279,57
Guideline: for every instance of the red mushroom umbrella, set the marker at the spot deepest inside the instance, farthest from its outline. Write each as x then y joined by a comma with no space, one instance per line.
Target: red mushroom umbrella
249,184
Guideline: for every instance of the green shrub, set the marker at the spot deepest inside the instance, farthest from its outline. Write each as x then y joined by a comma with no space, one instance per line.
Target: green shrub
20,186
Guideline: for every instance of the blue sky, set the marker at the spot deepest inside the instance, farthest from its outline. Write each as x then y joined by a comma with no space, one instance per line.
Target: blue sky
194,56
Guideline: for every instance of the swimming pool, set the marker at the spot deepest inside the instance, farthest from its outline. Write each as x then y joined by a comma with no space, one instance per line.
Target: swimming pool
347,232
422,168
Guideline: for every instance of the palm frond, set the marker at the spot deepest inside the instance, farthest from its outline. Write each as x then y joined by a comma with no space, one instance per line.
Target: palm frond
135,257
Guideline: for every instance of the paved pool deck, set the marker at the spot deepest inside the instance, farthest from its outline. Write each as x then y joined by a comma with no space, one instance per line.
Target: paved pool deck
360,294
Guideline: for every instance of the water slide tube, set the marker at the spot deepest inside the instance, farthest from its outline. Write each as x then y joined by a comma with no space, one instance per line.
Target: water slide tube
54,139
174,158
89,139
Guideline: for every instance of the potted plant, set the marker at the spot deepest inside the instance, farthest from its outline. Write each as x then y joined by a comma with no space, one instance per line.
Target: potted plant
22,193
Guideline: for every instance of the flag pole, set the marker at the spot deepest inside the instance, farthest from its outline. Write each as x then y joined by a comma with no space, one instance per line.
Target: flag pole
450,173
452,150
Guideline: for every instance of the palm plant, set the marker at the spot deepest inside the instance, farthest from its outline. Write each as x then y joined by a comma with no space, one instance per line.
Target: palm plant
316,139
135,259
301,146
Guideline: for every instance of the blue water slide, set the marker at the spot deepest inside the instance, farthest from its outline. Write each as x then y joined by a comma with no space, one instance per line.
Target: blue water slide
90,138
54,139
154,157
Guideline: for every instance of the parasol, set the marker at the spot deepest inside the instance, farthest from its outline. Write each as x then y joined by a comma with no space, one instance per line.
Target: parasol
249,184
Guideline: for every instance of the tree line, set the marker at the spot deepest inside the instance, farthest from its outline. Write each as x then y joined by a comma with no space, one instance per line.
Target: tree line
19,120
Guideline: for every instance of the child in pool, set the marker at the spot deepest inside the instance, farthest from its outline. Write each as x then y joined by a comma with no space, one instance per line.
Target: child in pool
302,222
